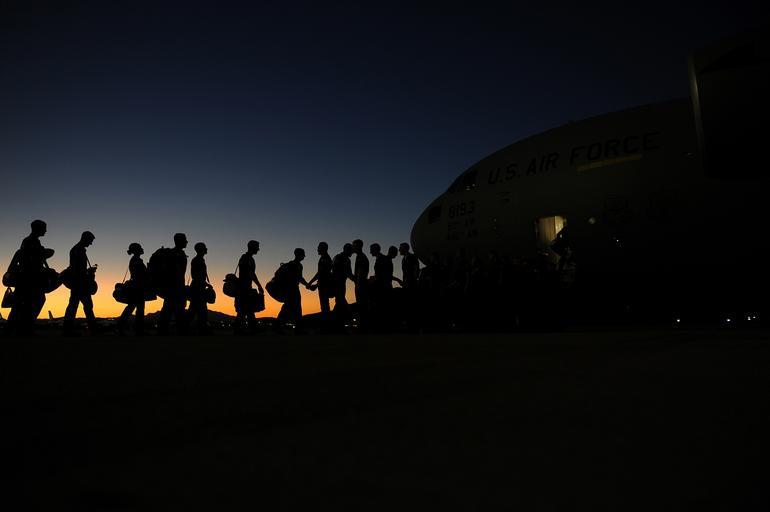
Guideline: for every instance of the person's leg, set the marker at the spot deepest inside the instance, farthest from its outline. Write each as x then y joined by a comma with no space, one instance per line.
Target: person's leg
139,319
179,312
340,312
297,311
192,311
29,311
16,316
239,316
69,313
324,300
124,316
203,316
38,303
164,318
88,309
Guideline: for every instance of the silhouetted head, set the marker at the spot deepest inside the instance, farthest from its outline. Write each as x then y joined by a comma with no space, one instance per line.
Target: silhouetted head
299,254
375,249
39,227
180,241
392,252
347,250
323,248
200,248
135,249
403,249
87,238
253,247
358,246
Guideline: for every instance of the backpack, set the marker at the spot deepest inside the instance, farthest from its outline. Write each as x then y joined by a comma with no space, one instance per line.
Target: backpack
231,286
278,287
160,268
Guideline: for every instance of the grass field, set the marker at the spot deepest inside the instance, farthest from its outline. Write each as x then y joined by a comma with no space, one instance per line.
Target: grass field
643,420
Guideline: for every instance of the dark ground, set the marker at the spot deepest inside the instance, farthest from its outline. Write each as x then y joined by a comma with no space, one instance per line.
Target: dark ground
645,420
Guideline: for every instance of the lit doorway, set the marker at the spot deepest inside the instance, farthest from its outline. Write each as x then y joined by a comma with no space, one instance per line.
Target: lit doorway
547,229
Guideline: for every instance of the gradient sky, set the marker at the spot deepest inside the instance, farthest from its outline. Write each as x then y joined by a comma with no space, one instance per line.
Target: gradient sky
298,123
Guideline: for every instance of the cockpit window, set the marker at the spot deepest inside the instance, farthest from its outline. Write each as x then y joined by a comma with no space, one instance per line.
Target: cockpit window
466,181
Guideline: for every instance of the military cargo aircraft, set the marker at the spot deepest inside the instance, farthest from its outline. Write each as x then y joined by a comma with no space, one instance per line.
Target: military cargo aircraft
669,199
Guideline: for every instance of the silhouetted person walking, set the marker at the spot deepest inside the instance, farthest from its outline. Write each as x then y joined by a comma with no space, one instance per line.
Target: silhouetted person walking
383,284
137,285
291,310
324,278
379,286
176,299
410,279
82,280
247,274
361,275
383,270
410,267
199,283
341,272
27,266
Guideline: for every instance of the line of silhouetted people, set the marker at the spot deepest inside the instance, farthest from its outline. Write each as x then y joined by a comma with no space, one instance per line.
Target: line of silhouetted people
29,278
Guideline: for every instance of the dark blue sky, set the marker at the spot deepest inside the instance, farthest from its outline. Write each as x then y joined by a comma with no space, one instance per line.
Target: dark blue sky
298,123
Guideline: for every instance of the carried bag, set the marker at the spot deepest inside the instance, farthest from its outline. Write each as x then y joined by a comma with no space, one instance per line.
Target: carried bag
122,293
67,278
11,278
278,287
256,301
230,287
91,285
9,299
50,280
210,294
160,269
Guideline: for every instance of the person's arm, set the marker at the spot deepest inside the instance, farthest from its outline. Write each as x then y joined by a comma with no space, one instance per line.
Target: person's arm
259,286
349,271
313,279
